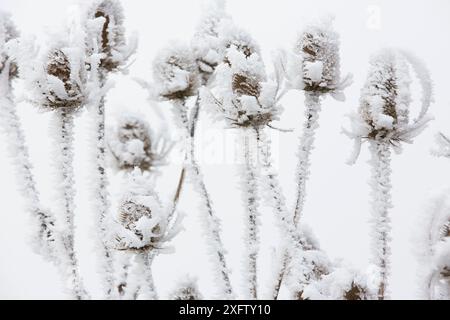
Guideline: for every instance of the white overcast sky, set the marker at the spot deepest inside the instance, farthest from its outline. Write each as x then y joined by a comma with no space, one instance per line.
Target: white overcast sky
337,195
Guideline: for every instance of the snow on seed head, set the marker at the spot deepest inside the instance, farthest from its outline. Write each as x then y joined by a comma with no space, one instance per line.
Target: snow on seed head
105,30
58,78
318,45
175,73
133,144
385,97
207,47
141,217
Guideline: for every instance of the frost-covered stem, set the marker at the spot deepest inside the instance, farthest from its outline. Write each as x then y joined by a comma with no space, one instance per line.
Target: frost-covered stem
44,221
381,203
251,203
211,222
291,242
66,194
100,193
312,104
144,261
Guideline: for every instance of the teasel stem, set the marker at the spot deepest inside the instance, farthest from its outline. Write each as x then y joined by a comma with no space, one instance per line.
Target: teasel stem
124,264
64,135
291,242
192,126
312,104
145,260
11,124
211,222
381,203
249,182
100,191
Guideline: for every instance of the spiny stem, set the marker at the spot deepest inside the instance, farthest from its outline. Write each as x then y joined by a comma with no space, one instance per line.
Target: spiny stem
381,203
312,103
211,221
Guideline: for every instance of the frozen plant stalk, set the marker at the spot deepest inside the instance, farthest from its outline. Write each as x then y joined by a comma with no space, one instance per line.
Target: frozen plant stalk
44,220
107,52
177,78
383,120
58,84
318,74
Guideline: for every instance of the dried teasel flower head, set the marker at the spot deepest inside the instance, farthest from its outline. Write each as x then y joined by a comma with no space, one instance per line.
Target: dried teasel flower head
319,48
105,30
242,93
341,283
187,289
58,79
175,73
207,47
142,220
132,144
8,33
385,103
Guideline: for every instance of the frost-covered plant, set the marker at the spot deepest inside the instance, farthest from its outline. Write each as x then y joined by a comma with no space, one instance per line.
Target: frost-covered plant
383,120
187,289
107,51
434,281
56,82
177,78
132,144
342,283
433,249
43,219
143,226
314,68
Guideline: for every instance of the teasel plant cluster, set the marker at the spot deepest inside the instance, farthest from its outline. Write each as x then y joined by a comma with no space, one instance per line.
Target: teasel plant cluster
219,72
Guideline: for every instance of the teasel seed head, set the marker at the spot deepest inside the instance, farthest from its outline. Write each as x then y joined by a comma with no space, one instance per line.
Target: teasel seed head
133,144
141,218
318,47
385,99
109,36
175,73
187,289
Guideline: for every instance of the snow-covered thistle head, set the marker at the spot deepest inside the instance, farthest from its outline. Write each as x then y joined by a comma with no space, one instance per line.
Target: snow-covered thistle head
175,73
206,44
385,103
187,289
106,32
8,32
316,61
243,94
58,79
142,220
133,144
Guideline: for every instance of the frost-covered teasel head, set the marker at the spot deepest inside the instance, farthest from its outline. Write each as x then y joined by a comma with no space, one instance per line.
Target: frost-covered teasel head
385,97
58,79
207,47
384,113
106,32
317,62
175,73
8,33
242,93
187,289
141,218
132,144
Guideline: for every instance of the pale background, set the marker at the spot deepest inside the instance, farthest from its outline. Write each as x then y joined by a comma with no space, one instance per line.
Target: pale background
337,194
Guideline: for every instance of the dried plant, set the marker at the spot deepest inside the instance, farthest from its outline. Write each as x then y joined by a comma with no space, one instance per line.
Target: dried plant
44,220
383,120
187,289
132,144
